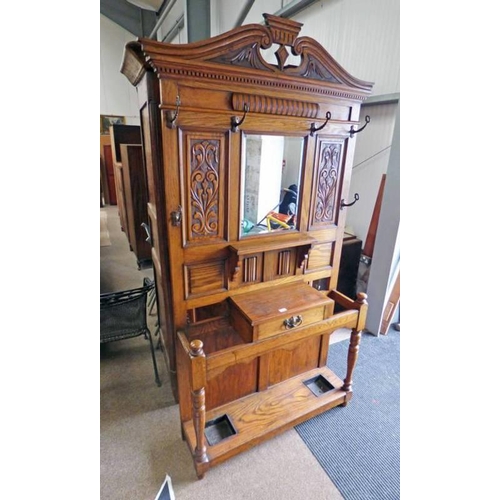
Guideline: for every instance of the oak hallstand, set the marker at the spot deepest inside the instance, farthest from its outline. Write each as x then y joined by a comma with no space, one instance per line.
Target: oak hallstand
246,310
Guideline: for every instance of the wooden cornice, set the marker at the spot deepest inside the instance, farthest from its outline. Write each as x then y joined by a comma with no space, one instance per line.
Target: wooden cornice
236,56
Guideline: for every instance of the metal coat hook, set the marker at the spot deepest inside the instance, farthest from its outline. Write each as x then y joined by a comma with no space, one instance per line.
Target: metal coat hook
352,131
342,204
236,122
315,129
172,115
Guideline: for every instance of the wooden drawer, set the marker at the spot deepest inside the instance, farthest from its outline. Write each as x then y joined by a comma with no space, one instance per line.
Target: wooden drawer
262,314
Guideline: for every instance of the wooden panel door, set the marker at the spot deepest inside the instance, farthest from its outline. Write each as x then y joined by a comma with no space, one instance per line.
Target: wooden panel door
110,175
199,242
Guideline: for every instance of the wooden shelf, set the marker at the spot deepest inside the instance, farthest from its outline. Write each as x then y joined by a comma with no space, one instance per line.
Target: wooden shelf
252,245
263,415
298,243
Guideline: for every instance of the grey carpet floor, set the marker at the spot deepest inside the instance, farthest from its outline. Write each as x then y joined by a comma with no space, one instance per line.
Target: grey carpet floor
140,428
358,446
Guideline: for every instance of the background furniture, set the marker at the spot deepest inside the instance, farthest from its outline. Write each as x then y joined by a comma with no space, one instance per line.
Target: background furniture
135,200
349,265
107,170
131,188
123,316
246,314
122,134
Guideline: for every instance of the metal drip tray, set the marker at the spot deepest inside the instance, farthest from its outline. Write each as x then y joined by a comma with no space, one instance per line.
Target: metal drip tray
218,429
318,385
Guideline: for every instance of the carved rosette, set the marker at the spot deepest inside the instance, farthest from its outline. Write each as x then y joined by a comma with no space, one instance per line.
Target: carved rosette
204,188
324,209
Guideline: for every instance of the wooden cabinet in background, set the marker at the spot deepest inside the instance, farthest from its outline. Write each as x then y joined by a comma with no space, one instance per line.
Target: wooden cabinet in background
247,166
122,134
108,173
131,188
349,265
135,201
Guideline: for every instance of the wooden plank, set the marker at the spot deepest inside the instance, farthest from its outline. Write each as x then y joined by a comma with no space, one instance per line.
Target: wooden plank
391,306
372,230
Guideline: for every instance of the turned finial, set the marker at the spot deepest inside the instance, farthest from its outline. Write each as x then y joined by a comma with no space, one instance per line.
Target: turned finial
361,298
196,348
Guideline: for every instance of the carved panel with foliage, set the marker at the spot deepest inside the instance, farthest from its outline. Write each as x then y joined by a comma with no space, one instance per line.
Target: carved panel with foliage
328,170
204,187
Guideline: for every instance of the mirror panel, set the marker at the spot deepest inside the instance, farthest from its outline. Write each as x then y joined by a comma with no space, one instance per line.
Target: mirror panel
271,171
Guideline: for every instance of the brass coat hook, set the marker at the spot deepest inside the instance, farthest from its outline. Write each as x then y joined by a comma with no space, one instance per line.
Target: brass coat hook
172,115
236,122
352,131
315,129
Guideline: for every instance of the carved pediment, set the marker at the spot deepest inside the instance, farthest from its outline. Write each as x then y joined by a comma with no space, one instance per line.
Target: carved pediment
241,49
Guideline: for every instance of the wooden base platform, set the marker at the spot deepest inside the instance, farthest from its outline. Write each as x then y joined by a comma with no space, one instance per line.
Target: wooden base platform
263,415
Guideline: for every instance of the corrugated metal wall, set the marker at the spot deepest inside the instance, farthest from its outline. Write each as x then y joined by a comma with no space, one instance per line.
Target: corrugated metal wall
370,162
362,36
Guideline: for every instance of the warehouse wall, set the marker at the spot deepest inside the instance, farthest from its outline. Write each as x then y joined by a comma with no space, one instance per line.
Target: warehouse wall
118,97
371,158
171,21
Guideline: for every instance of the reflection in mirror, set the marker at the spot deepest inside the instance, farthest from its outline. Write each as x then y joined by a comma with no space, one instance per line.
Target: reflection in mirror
270,183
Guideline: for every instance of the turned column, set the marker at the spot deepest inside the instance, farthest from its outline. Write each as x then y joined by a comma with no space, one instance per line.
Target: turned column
198,381
352,355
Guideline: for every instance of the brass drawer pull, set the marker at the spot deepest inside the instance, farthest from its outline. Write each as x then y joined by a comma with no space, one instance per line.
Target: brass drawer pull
293,321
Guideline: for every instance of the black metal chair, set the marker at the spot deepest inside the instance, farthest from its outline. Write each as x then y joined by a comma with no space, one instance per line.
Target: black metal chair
123,316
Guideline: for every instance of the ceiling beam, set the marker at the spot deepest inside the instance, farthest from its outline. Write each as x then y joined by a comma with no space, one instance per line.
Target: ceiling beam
244,13
178,25
137,21
381,99
165,8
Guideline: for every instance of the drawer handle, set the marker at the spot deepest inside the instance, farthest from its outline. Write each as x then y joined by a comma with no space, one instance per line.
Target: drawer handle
293,321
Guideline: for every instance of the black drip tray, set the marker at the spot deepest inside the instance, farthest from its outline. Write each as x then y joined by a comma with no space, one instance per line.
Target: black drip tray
218,429
318,385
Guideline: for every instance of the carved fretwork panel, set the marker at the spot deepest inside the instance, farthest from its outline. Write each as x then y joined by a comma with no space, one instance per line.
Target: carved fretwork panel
327,180
204,188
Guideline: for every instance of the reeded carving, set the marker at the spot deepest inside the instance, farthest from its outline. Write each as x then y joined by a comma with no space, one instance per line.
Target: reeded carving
284,261
324,209
250,269
205,188
274,105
